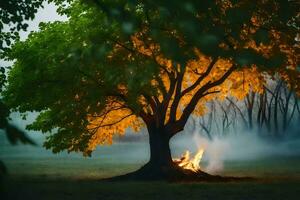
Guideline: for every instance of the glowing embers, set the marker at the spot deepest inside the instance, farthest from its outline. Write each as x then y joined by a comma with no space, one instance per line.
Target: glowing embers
187,162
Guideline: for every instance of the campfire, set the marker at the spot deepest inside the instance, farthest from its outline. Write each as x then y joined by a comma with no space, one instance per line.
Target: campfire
186,162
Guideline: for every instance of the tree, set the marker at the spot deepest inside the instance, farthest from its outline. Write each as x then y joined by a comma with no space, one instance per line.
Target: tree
118,64
258,112
13,14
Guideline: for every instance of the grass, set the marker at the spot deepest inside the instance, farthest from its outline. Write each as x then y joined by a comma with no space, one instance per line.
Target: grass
35,173
91,189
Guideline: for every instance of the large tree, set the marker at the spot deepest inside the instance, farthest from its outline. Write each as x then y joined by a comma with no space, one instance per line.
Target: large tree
120,64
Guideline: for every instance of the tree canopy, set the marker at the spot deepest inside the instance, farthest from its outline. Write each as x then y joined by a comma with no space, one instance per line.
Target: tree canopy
120,64
13,16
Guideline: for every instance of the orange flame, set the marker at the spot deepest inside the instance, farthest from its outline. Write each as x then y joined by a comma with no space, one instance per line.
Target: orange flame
192,164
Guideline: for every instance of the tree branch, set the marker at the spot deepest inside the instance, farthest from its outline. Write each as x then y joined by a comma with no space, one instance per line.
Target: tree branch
202,92
177,97
203,75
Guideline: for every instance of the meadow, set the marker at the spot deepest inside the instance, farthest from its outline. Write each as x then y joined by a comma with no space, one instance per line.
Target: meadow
36,173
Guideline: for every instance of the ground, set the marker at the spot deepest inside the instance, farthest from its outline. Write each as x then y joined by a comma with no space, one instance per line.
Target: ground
91,189
35,173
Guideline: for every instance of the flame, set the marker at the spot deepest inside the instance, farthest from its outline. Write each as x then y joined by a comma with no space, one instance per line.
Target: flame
192,164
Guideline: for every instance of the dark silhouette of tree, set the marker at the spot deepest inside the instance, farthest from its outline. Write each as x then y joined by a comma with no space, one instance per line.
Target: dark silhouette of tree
13,14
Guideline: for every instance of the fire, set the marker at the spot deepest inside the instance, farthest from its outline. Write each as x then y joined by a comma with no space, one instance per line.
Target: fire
192,164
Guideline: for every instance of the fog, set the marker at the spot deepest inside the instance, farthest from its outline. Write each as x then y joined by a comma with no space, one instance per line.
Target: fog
246,146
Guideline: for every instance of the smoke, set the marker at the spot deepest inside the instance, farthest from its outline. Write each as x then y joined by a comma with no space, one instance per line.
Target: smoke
215,151
246,146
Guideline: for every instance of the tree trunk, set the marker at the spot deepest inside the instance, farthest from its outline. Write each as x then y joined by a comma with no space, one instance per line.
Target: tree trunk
161,165
160,153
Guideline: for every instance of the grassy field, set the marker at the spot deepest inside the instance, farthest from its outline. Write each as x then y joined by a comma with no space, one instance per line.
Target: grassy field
92,189
35,173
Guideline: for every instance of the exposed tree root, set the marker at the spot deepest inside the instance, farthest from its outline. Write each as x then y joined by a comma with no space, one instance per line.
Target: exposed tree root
172,173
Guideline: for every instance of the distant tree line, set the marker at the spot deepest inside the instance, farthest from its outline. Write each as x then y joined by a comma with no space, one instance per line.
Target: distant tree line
274,112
